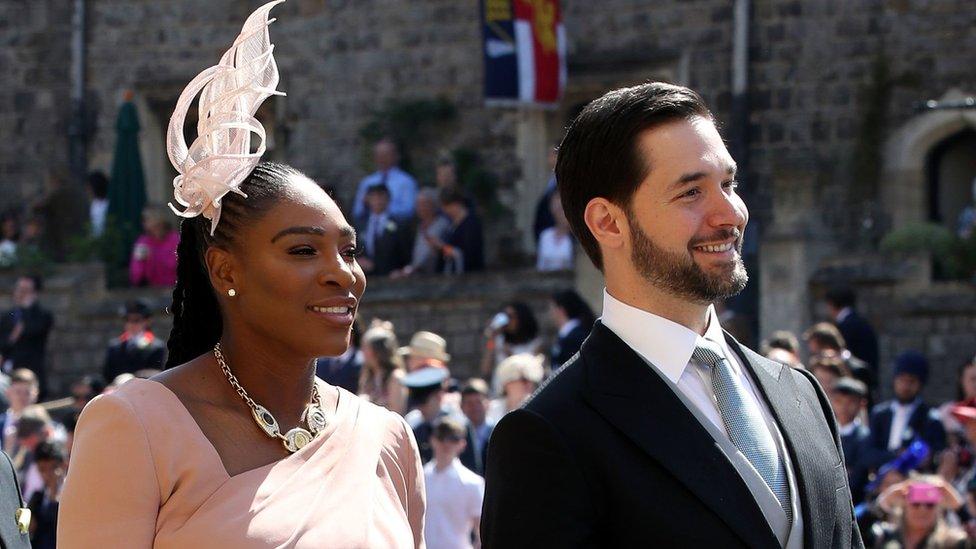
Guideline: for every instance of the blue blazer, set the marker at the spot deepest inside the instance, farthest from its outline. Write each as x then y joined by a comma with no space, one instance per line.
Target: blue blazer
923,424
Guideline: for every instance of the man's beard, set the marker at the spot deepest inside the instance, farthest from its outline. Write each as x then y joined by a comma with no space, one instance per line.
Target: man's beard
680,275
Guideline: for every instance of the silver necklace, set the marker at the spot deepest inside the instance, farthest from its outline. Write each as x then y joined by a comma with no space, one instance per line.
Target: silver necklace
296,438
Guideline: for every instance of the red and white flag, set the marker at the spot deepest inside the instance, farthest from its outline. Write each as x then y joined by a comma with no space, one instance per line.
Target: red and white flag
541,50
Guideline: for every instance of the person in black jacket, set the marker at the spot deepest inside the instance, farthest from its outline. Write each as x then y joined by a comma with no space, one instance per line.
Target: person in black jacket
664,431
463,250
137,348
387,243
24,331
52,462
848,399
857,331
574,319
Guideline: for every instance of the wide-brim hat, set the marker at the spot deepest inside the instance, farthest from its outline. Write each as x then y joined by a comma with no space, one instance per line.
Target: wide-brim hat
427,345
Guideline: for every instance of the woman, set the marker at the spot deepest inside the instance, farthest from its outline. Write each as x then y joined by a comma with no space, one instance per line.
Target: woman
431,227
916,509
195,457
574,319
556,243
153,261
382,370
513,331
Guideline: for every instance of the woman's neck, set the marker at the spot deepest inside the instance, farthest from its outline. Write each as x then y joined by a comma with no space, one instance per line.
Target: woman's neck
275,378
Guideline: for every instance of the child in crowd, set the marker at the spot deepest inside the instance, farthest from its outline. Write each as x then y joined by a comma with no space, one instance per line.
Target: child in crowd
454,492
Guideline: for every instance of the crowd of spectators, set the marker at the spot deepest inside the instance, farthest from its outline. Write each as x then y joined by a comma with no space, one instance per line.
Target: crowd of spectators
910,464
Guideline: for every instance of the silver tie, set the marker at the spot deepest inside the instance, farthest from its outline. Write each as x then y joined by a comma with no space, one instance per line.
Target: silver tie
744,422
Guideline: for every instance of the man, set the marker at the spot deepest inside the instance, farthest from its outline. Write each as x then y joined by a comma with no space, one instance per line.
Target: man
474,405
847,399
857,332
24,331
14,516
386,241
897,423
454,492
21,393
33,428
425,405
52,462
663,431
402,186
137,348
463,249
824,338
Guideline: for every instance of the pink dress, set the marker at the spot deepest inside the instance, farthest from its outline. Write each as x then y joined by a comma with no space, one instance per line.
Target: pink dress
153,260
142,474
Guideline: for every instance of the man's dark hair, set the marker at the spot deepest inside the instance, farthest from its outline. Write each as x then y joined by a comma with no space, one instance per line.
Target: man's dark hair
36,280
840,297
575,307
600,155
98,184
378,188
50,450
197,323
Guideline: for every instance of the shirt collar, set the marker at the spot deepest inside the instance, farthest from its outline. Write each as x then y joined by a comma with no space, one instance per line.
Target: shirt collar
843,314
570,325
665,344
845,430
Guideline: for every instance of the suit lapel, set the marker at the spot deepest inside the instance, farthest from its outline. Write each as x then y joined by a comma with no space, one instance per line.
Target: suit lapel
623,389
808,454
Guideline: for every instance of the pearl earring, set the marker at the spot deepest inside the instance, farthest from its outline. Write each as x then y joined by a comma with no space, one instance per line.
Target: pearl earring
232,292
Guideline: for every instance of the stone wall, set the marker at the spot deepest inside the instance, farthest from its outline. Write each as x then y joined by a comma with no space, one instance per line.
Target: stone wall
87,316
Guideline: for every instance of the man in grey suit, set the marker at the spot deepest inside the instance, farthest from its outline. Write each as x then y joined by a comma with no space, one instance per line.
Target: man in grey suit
14,517
664,431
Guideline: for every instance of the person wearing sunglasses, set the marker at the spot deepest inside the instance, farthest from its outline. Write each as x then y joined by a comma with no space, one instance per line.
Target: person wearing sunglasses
917,511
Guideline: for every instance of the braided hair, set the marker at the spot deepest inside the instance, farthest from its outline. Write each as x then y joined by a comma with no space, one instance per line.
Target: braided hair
197,324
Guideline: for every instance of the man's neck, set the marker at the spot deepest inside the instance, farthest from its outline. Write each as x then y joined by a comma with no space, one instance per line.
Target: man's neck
649,298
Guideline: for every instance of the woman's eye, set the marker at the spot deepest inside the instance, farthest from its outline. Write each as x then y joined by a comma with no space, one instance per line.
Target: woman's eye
302,250
731,184
352,252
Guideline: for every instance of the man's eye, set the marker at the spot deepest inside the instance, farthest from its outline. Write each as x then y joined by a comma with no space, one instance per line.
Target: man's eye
690,193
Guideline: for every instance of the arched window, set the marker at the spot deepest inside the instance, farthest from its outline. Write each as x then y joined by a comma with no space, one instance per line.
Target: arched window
951,173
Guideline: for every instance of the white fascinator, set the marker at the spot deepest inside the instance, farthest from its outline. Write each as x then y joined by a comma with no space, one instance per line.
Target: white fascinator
221,156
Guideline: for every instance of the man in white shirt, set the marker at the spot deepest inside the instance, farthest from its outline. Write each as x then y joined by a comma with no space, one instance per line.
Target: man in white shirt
664,430
454,492
403,187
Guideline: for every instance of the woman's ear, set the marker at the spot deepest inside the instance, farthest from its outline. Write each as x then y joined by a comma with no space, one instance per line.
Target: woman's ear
223,271
605,221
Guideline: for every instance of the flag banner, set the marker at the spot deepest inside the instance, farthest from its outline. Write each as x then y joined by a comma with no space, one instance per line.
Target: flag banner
524,51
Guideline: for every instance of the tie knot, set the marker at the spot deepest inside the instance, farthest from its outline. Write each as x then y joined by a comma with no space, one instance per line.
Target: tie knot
708,353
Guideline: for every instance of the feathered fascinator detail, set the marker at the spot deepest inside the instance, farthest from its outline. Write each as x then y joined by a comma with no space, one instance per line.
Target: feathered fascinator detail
220,158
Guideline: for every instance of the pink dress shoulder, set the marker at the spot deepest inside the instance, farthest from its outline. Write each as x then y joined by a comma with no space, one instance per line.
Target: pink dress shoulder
142,474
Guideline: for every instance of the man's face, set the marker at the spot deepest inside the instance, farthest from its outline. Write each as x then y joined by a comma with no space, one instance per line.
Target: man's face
907,387
377,201
445,176
24,292
21,395
475,407
686,220
51,471
135,324
384,155
846,407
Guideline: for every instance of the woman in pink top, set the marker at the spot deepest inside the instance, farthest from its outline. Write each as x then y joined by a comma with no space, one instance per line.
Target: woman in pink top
237,444
153,261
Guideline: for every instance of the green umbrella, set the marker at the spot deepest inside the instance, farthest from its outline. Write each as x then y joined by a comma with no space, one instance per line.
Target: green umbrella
127,188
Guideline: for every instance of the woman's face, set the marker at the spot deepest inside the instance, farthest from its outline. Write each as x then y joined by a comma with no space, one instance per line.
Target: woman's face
295,272
968,381
921,516
513,320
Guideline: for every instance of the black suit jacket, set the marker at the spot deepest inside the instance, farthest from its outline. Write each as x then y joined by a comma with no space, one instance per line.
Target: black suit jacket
856,454
861,340
393,247
29,351
565,347
121,358
10,501
606,455
923,424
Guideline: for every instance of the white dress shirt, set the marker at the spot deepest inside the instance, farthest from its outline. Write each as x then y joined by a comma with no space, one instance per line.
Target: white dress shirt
454,498
555,251
901,413
667,347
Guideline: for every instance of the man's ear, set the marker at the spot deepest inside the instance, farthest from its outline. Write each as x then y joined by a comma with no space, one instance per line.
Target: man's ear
223,270
607,222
